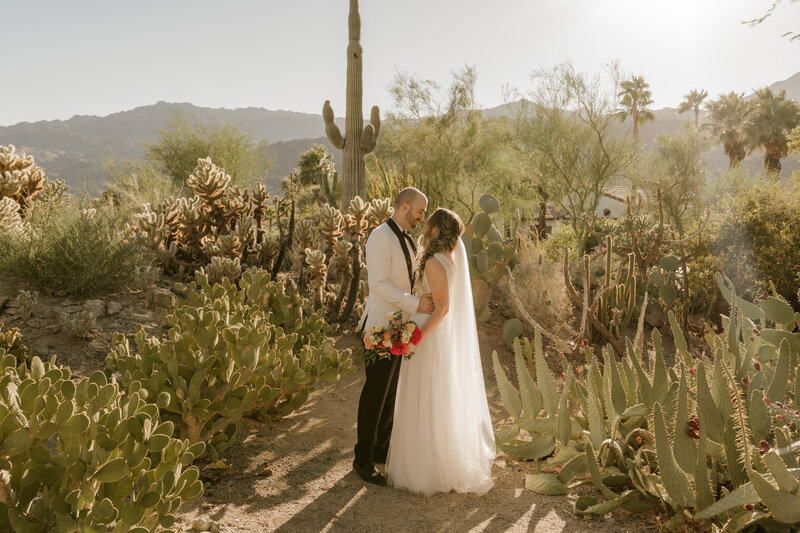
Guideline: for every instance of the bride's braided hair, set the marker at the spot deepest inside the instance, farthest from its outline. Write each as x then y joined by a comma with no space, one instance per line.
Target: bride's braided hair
450,230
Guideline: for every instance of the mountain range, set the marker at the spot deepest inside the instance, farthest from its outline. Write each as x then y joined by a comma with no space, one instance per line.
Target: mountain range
76,149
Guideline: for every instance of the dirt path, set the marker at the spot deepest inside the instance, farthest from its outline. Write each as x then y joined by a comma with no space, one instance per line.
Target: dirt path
312,486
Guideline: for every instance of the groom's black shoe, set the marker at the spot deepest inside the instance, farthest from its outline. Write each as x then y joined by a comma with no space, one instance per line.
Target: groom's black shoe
368,473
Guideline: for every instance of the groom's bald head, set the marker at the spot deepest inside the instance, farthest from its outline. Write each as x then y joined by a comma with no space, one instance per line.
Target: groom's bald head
409,207
409,194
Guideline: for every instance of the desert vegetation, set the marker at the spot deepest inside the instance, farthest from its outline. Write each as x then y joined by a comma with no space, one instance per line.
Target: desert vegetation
662,297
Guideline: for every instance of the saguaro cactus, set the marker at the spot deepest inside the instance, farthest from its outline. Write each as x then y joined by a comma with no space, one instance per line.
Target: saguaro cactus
356,143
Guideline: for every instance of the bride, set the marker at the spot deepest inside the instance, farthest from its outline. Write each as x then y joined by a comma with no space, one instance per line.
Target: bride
442,438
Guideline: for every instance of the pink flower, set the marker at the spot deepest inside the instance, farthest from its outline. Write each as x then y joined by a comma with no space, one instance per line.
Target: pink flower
368,343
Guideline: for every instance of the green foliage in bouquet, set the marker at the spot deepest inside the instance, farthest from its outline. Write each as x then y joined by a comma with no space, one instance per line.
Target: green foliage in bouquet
81,455
707,439
232,350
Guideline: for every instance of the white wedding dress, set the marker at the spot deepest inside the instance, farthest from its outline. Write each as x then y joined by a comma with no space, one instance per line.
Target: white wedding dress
442,438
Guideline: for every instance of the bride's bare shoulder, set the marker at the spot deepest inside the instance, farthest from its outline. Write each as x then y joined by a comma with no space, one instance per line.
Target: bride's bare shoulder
434,266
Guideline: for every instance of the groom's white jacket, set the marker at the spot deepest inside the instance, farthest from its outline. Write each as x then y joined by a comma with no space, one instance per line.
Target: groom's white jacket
387,274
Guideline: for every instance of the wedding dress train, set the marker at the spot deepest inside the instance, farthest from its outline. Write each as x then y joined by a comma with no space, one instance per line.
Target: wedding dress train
442,438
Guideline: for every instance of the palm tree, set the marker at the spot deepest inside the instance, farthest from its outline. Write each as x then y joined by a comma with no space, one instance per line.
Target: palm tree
692,102
635,99
770,124
727,116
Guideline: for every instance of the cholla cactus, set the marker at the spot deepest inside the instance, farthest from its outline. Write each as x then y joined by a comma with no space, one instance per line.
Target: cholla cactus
317,273
331,227
21,179
264,253
259,206
380,210
10,218
224,267
208,181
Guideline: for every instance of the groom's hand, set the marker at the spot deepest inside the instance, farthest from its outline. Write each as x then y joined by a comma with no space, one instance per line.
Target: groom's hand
425,304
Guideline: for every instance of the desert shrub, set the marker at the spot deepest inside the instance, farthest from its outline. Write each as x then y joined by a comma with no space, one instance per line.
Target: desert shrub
82,456
185,140
251,349
133,183
74,248
553,246
77,324
541,287
710,438
754,238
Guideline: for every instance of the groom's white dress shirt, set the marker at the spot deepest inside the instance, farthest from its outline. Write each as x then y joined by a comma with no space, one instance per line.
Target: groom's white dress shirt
387,275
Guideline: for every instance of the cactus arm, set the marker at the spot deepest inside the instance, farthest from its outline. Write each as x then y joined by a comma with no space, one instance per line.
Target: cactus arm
375,122
367,138
331,129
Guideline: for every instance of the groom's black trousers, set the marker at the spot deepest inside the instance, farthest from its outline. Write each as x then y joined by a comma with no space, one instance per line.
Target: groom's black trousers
368,406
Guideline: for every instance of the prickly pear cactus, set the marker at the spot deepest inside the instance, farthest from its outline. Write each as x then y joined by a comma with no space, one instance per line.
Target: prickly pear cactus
489,254
251,349
82,456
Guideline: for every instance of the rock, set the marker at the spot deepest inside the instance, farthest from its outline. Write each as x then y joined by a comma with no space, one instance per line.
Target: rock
162,297
112,308
200,525
654,316
96,307
3,302
52,329
40,346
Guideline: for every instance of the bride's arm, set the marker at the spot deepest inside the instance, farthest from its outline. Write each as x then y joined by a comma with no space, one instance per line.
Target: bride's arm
437,279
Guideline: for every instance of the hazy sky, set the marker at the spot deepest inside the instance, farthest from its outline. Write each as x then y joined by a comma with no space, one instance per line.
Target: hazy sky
62,58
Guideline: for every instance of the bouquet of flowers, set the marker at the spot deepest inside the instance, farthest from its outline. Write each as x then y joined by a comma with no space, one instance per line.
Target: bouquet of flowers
396,338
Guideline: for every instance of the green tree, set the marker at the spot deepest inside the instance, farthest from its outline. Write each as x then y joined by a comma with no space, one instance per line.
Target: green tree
727,116
769,126
440,139
677,167
565,138
635,100
692,102
794,148
184,141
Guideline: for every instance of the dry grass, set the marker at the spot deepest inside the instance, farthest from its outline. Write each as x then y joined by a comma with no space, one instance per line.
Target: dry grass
540,285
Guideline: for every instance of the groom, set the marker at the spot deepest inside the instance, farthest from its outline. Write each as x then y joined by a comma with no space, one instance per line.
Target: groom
390,271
